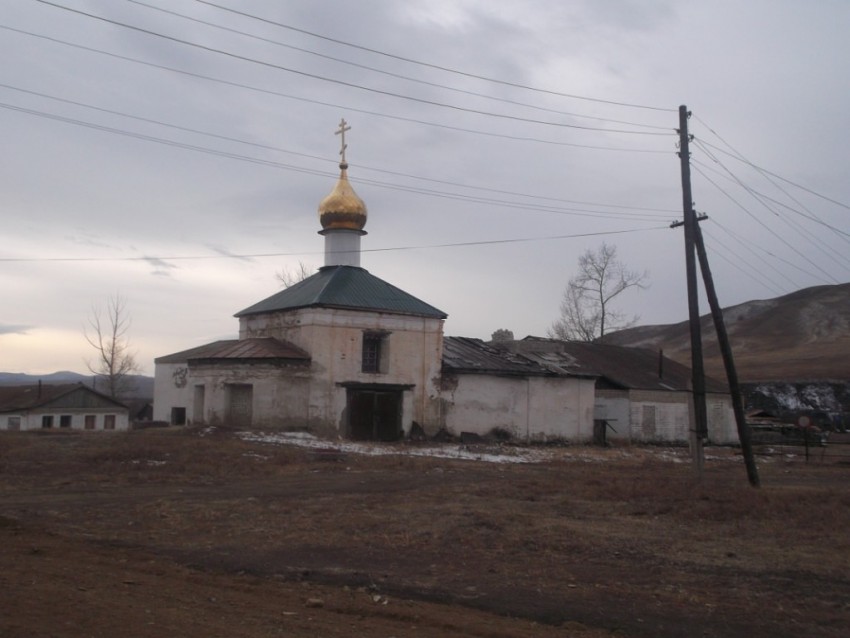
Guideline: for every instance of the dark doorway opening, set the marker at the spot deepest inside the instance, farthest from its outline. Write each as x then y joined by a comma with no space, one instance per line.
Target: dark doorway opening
375,415
178,416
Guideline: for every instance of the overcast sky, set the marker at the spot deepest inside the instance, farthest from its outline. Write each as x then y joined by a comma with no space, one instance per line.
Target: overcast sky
175,151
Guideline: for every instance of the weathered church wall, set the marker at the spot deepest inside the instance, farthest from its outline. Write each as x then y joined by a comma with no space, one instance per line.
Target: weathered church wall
411,356
529,408
278,395
171,389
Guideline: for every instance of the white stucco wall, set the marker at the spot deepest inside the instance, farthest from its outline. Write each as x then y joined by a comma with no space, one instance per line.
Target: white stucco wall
33,420
314,398
171,388
722,429
613,406
534,408
334,340
666,417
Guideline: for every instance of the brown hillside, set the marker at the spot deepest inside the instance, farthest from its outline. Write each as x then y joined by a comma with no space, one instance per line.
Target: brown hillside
802,336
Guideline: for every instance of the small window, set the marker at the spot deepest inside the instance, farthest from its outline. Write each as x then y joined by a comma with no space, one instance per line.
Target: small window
47,421
109,422
13,423
91,421
375,358
65,421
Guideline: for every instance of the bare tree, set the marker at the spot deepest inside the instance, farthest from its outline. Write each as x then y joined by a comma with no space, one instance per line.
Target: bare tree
106,332
586,312
288,277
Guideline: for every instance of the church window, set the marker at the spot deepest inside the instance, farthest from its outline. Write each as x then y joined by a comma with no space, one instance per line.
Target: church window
374,359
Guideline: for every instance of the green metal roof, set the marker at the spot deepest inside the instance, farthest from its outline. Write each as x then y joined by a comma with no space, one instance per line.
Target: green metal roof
345,287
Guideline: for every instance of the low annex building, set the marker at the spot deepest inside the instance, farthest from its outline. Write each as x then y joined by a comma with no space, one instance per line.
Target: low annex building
487,390
641,395
72,406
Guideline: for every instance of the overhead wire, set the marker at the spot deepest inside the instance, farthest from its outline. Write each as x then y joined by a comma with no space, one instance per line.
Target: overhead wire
800,230
718,249
815,241
454,107
777,176
248,256
765,226
519,138
400,76
436,66
808,214
289,167
644,210
752,247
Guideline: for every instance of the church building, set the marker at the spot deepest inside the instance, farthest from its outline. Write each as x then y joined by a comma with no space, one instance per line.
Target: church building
346,354
339,353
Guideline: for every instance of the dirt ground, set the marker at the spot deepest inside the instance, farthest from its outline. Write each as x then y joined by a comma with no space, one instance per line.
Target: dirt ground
181,532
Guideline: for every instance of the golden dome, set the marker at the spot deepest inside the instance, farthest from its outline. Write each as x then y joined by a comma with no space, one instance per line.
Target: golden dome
342,208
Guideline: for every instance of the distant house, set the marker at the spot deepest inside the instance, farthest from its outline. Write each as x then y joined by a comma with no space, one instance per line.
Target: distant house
486,389
641,396
72,406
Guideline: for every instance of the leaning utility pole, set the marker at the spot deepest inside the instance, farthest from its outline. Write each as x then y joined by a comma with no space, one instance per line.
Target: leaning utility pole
728,361
694,241
700,429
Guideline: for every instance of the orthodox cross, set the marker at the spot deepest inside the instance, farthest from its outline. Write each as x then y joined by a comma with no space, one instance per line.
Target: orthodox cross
343,127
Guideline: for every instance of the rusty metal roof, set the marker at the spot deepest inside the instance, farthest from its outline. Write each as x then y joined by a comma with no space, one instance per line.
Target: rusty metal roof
345,287
473,356
231,350
619,366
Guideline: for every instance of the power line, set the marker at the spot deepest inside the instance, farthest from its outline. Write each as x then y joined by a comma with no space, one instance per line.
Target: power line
248,256
816,242
773,200
322,159
765,226
454,107
289,167
519,138
749,272
390,73
742,159
434,66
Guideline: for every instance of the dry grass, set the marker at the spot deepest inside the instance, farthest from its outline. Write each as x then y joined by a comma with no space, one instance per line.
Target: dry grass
599,530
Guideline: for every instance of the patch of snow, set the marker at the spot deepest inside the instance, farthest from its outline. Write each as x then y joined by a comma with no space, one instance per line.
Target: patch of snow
485,454
254,455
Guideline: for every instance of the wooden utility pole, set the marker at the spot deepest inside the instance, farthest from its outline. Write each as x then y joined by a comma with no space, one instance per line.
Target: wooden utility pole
700,429
728,361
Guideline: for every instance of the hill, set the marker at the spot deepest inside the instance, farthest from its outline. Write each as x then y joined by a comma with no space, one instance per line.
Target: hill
802,336
141,387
